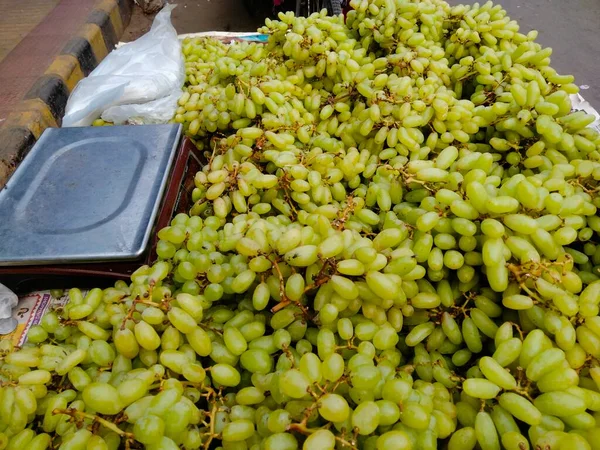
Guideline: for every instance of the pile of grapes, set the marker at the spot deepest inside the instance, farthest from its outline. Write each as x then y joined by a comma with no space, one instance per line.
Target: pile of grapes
393,245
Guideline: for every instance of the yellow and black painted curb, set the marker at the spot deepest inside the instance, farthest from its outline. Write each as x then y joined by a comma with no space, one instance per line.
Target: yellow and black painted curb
44,105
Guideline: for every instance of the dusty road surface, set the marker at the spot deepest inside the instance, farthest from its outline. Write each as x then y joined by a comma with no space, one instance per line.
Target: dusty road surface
570,27
193,16
32,33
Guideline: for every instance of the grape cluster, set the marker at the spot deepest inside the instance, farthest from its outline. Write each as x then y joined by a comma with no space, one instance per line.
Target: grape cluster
393,244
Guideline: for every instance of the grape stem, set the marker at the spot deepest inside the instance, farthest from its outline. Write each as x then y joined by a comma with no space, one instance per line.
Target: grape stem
321,277
129,315
284,300
518,330
589,190
349,209
517,271
163,305
302,428
80,416
530,292
207,327
279,306
242,84
524,393
212,418
284,184
214,144
286,350
407,178
8,375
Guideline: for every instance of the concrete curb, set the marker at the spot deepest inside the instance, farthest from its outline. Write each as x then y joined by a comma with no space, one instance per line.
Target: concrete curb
44,105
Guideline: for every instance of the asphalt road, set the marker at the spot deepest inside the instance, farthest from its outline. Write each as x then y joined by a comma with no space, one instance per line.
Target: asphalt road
572,29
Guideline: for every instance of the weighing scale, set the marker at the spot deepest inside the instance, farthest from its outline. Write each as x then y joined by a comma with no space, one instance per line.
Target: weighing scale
84,206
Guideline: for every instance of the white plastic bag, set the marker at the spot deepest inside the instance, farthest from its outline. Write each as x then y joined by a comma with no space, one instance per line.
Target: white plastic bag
8,300
139,82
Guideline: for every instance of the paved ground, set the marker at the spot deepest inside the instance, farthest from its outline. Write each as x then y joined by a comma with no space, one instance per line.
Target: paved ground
192,16
32,33
18,19
571,28
214,15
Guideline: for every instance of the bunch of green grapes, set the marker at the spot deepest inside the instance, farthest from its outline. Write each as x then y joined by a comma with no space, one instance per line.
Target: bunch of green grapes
392,244
165,370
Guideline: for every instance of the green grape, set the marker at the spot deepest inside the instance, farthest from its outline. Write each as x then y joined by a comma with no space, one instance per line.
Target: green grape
379,199
146,336
333,367
365,417
79,439
389,412
37,334
164,443
508,351
544,363
294,383
324,439
415,416
149,429
102,397
72,360
283,441
494,372
569,404
101,353
181,320
396,439
43,441
126,343
481,388
334,408
256,361
35,377
238,430
225,374
485,431
514,440
521,408
463,438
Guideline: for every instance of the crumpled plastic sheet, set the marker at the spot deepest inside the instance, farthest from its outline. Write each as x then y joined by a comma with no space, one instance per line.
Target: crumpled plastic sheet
580,103
139,80
8,300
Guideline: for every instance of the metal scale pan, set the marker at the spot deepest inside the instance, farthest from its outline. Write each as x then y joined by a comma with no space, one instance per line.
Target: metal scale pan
86,203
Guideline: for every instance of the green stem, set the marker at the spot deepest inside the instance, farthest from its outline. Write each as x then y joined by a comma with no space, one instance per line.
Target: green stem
105,423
